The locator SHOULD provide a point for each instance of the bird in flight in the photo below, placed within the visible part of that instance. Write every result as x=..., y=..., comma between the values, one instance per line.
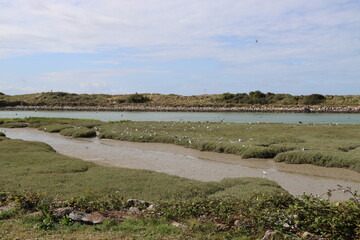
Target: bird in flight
x=257, y=41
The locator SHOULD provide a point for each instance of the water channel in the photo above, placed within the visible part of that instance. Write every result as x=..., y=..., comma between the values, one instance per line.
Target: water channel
x=320, y=118
x=194, y=164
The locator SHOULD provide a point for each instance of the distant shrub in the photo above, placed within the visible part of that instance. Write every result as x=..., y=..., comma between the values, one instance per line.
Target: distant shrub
x=314, y=99
x=137, y=98
x=227, y=96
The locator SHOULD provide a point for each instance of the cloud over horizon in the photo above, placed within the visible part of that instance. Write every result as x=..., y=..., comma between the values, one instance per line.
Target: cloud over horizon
x=303, y=46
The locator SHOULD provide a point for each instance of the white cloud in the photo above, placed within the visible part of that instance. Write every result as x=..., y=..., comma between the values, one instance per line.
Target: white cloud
x=321, y=35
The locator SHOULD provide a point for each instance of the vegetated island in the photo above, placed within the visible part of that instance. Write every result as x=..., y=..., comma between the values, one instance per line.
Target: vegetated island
x=255, y=101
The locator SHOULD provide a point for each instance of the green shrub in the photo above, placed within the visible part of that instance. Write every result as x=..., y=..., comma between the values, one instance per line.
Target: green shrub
x=137, y=98
x=314, y=99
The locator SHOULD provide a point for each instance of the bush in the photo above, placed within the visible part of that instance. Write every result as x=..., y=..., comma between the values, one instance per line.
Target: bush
x=314, y=99
x=137, y=98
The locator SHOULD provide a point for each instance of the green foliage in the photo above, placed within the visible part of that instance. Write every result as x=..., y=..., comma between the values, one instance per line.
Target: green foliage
x=54, y=127
x=314, y=99
x=78, y=132
x=15, y=125
x=137, y=98
x=214, y=218
x=217, y=100
x=8, y=214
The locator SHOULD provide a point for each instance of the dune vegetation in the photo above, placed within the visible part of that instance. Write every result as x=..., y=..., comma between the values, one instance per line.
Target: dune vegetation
x=148, y=99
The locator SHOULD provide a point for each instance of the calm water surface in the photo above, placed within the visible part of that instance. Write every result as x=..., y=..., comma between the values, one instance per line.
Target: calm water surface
x=320, y=118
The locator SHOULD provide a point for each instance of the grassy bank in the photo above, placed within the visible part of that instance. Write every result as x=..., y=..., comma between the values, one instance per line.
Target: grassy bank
x=214, y=100
x=35, y=167
x=232, y=209
x=327, y=145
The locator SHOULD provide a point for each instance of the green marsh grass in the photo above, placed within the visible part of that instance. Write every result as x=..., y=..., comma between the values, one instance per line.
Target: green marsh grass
x=36, y=167
x=327, y=145
x=319, y=144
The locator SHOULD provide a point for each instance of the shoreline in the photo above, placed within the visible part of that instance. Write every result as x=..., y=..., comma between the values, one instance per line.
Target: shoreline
x=140, y=108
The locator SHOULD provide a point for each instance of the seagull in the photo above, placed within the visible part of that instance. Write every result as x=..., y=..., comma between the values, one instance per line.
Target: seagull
x=257, y=41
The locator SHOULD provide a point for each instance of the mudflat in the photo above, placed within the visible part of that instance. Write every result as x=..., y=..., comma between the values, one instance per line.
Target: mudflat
x=195, y=164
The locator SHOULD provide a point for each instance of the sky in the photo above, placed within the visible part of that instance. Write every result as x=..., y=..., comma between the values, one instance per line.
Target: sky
x=186, y=47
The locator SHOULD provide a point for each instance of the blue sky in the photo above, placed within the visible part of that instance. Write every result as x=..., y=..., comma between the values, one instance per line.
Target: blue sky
x=182, y=46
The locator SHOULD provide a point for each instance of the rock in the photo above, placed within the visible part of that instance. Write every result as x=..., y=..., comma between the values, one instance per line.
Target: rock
x=134, y=210
x=178, y=225
x=269, y=235
x=60, y=212
x=77, y=216
x=151, y=208
x=89, y=218
x=94, y=218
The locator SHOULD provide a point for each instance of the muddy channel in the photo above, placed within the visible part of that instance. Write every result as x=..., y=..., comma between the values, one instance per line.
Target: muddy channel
x=194, y=164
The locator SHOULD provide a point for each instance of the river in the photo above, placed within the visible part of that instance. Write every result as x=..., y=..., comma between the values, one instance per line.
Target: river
x=194, y=164
x=320, y=118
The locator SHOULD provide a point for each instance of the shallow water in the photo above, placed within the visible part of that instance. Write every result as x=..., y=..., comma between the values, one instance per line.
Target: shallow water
x=194, y=164
x=321, y=118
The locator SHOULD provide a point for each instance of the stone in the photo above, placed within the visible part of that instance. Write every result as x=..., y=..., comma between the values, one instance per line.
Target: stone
x=94, y=218
x=89, y=218
x=60, y=212
x=77, y=216
x=134, y=210
x=151, y=208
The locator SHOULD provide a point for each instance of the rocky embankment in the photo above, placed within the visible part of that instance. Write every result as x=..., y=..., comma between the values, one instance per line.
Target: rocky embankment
x=142, y=108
